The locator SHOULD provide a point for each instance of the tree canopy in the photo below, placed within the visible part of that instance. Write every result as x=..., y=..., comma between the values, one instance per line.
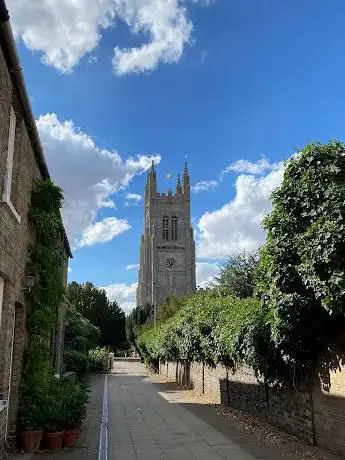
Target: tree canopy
x=93, y=304
x=237, y=275
x=302, y=266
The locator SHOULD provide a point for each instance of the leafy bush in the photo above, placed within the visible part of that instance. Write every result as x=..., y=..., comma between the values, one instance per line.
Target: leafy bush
x=76, y=361
x=53, y=404
x=302, y=266
x=75, y=398
x=207, y=329
x=98, y=359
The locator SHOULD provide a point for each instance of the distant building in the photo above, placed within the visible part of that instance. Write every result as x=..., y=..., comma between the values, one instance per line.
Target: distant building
x=22, y=165
x=167, y=252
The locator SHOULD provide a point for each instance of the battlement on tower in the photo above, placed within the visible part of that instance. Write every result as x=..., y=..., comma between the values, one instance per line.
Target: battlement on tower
x=169, y=196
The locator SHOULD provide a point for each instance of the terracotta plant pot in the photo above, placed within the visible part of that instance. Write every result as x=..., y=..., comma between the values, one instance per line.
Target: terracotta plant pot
x=31, y=440
x=53, y=439
x=70, y=437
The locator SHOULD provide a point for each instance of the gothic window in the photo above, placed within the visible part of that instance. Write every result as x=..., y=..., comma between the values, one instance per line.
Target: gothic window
x=174, y=228
x=165, y=228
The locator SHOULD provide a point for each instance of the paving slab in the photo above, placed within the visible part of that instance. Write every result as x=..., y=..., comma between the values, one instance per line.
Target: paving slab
x=149, y=419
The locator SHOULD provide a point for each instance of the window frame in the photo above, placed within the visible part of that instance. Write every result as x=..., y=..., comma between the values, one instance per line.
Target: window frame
x=6, y=195
x=165, y=228
x=174, y=234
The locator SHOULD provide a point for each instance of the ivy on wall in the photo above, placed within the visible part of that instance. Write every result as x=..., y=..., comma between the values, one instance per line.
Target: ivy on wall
x=45, y=264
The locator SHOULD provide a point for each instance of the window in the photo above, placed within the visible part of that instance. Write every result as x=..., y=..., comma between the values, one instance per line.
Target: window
x=174, y=228
x=6, y=197
x=2, y=282
x=165, y=228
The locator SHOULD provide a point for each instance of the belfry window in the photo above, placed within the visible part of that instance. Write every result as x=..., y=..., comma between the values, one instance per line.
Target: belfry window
x=174, y=228
x=165, y=228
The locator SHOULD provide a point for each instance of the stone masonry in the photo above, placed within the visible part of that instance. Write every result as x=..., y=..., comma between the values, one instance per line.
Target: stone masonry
x=21, y=167
x=312, y=413
x=167, y=252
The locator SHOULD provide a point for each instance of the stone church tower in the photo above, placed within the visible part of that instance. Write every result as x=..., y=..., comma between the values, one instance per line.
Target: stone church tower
x=167, y=251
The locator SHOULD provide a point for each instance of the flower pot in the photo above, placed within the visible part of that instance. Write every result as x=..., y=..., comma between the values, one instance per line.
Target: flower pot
x=53, y=439
x=70, y=438
x=31, y=440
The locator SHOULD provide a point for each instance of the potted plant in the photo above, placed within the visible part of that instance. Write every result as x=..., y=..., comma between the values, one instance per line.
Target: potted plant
x=75, y=400
x=32, y=428
x=54, y=420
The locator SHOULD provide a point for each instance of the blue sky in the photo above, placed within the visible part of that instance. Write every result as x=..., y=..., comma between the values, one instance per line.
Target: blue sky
x=237, y=86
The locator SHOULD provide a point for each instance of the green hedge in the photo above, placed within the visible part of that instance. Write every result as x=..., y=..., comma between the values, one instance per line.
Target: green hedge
x=208, y=328
x=76, y=361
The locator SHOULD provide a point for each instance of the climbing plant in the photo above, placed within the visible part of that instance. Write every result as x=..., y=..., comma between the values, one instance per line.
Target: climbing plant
x=45, y=264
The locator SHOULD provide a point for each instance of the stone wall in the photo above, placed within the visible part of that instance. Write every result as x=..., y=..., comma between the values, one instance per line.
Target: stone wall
x=15, y=237
x=313, y=414
x=329, y=413
x=2, y=430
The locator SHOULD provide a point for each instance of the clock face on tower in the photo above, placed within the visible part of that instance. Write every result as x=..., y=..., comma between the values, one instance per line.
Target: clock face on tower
x=170, y=263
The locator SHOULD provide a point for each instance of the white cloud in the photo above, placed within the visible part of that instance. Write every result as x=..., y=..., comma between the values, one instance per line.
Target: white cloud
x=248, y=167
x=167, y=25
x=92, y=59
x=132, y=199
x=132, y=267
x=204, y=185
x=64, y=30
x=103, y=231
x=124, y=294
x=237, y=225
x=88, y=174
x=205, y=272
x=203, y=56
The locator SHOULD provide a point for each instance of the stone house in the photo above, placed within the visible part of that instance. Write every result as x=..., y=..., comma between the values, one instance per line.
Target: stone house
x=22, y=165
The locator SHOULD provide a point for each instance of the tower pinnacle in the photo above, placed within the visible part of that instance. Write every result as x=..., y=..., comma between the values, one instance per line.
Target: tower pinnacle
x=186, y=183
x=178, y=185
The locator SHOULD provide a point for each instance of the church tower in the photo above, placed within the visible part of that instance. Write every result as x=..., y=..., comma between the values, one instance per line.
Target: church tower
x=167, y=250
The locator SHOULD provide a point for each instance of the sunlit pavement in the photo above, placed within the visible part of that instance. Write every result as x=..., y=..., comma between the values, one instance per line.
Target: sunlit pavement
x=149, y=420
x=142, y=417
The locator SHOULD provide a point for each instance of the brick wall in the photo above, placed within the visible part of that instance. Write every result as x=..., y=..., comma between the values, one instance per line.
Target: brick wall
x=329, y=413
x=313, y=414
x=215, y=383
x=14, y=240
x=197, y=377
x=292, y=411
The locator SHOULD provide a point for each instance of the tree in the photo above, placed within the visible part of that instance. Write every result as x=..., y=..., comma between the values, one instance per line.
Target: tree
x=168, y=308
x=80, y=333
x=139, y=316
x=93, y=304
x=237, y=276
x=302, y=266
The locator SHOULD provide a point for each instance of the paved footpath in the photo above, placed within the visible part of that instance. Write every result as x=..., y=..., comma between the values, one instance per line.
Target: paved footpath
x=149, y=419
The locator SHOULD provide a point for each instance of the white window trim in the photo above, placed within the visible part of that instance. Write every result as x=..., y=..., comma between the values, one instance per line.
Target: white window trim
x=6, y=196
